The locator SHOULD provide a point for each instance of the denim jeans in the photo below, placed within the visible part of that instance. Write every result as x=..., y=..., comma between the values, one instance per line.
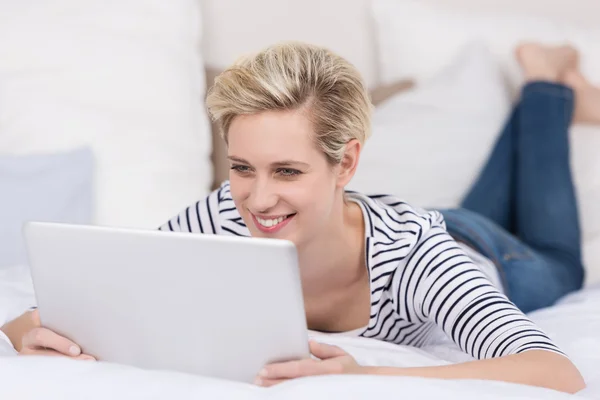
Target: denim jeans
x=522, y=210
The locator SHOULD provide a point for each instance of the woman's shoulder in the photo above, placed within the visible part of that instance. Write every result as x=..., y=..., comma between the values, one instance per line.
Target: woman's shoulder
x=220, y=203
x=393, y=218
x=219, y=200
x=223, y=193
x=215, y=213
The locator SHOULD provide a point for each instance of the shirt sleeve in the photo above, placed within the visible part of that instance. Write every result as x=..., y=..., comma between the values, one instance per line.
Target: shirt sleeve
x=453, y=293
x=201, y=217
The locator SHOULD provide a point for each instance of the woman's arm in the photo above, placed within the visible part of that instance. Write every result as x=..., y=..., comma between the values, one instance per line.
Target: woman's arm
x=535, y=368
x=18, y=327
x=456, y=296
x=445, y=288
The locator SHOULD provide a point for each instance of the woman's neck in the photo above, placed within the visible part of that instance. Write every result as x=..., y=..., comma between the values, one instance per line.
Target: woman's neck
x=334, y=259
x=335, y=280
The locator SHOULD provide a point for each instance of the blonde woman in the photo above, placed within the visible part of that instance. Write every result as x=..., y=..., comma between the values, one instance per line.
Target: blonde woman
x=295, y=118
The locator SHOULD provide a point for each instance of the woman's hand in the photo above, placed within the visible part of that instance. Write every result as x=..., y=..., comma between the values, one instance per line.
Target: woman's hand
x=332, y=360
x=30, y=338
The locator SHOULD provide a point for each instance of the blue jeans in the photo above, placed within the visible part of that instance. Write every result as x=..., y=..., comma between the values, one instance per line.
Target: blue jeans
x=522, y=211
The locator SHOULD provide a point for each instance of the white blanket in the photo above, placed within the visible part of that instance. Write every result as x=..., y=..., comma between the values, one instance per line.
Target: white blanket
x=574, y=324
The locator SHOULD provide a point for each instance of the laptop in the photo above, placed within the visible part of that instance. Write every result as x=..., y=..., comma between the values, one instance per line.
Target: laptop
x=217, y=306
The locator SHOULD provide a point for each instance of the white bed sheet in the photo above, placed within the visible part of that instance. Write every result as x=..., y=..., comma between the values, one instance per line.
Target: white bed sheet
x=574, y=324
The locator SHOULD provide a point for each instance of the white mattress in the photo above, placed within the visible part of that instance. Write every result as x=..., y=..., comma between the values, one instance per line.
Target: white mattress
x=574, y=324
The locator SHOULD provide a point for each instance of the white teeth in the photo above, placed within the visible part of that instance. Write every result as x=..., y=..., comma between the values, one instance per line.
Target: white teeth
x=270, y=222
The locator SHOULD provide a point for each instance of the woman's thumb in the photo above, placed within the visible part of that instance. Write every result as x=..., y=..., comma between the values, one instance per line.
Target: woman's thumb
x=325, y=351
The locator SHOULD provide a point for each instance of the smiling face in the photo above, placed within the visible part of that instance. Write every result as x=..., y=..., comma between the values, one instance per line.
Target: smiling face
x=294, y=117
x=283, y=185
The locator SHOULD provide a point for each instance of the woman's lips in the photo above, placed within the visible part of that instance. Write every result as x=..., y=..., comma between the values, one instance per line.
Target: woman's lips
x=272, y=225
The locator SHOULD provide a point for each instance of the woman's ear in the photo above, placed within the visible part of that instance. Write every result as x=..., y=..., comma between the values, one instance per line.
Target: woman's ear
x=349, y=163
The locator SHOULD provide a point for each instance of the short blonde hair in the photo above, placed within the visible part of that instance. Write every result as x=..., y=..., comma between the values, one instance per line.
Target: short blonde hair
x=293, y=75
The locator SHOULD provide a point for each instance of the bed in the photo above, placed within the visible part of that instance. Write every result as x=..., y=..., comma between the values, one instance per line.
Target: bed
x=574, y=323
x=102, y=121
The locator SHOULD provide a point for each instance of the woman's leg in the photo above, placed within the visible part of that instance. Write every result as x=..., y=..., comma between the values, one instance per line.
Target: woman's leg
x=546, y=211
x=587, y=108
x=546, y=206
x=492, y=194
x=541, y=262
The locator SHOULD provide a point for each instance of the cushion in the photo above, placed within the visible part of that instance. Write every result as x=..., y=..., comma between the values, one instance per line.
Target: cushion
x=42, y=187
x=585, y=164
x=124, y=78
x=381, y=93
x=428, y=144
x=416, y=39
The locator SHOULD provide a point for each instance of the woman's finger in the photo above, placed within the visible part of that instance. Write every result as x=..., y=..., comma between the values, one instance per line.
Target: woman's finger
x=45, y=338
x=85, y=357
x=290, y=369
x=32, y=351
x=269, y=382
x=325, y=351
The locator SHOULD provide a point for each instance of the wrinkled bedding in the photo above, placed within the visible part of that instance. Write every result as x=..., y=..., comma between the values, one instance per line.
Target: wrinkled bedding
x=574, y=324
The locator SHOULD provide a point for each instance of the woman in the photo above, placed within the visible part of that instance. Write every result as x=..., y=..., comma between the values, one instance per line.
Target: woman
x=295, y=118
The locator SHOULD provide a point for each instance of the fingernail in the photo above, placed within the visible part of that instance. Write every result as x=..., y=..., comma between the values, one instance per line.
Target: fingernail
x=263, y=372
x=74, y=350
x=258, y=382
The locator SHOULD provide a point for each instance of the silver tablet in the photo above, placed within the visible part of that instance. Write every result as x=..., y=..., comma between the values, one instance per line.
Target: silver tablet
x=212, y=305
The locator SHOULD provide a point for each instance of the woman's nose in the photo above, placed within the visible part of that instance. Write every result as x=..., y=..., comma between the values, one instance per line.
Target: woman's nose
x=263, y=196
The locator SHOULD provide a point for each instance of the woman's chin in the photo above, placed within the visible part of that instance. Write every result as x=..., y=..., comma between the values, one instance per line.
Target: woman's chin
x=285, y=234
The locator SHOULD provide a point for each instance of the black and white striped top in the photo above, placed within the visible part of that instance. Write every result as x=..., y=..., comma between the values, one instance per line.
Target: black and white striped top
x=421, y=279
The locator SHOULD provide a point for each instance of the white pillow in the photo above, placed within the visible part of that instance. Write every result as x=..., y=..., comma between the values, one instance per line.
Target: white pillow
x=585, y=164
x=428, y=145
x=416, y=40
x=125, y=78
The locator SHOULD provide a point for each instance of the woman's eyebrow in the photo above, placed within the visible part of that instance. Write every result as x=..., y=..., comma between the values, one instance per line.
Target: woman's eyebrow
x=287, y=163
x=281, y=163
x=238, y=159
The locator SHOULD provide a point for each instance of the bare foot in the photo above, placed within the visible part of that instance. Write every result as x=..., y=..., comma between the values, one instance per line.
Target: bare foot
x=546, y=63
x=574, y=78
x=587, y=97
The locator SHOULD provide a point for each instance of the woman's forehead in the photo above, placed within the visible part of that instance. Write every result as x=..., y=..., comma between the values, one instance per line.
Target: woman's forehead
x=284, y=134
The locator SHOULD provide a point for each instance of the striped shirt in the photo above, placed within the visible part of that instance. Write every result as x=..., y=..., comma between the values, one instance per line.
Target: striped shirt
x=422, y=281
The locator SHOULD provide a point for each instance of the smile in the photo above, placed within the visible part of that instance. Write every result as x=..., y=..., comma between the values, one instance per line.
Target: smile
x=272, y=225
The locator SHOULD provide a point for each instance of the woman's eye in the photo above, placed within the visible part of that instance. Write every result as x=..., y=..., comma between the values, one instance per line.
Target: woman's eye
x=288, y=172
x=243, y=169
